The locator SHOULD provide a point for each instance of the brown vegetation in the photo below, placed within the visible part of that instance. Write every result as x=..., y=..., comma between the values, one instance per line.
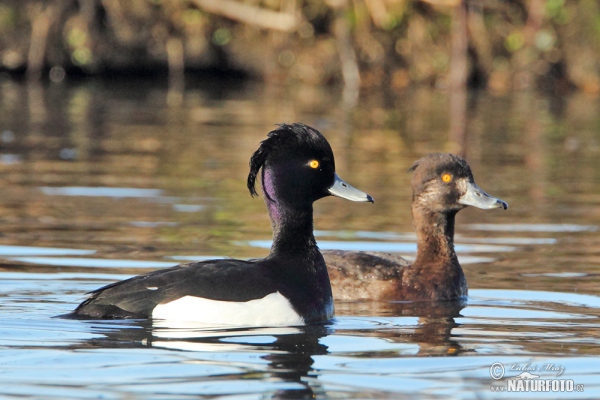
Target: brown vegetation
x=361, y=43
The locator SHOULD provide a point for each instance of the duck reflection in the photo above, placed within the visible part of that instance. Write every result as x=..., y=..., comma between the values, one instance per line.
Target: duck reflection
x=289, y=352
x=433, y=331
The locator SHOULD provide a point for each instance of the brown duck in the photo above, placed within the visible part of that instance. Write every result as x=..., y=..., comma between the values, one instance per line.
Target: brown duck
x=442, y=185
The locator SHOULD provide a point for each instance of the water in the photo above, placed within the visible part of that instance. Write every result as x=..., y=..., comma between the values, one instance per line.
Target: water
x=103, y=181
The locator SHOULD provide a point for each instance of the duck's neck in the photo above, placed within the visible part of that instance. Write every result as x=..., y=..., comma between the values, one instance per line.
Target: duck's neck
x=292, y=231
x=295, y=258
x=292, y=224
x=435, y=240
x=297, y=262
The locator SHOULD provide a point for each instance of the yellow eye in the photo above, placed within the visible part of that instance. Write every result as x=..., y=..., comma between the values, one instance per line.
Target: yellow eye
x=314, y=164
x=446, y=178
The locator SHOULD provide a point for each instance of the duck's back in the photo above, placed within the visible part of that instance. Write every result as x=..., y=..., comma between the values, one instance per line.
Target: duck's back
x=188, y=288
x=358, y=275
x=383, y=276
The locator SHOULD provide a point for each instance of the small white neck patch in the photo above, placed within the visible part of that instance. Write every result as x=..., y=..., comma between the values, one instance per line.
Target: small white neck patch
x=272, y=310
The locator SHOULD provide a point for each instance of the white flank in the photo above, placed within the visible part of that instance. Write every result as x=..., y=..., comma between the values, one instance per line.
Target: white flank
x=271, y=310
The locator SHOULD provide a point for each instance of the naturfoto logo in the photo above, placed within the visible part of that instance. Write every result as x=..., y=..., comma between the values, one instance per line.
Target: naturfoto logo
x=528, y=377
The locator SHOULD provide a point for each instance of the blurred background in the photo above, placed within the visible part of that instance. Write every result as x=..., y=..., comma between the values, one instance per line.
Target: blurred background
x=372, y=44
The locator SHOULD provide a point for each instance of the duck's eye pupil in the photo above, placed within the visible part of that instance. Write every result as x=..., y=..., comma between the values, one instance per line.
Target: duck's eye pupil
x=446, y=178
x=313, y=164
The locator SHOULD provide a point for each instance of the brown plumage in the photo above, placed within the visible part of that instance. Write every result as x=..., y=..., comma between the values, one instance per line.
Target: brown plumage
x=442, y=185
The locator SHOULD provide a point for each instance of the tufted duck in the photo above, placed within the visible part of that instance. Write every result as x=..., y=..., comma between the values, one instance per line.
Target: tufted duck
x=288, y=287
x=442, y=186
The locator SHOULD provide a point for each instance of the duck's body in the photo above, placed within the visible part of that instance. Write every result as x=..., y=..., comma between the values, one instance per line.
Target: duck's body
x=364, y=275
x=232, y=292
x=288, y=287
x=442, y=185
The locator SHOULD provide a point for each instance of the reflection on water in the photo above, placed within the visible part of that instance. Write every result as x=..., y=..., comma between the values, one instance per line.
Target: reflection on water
x=100, y=191
x=91, y=262
x=102, y=181
x=191, y=208
x=532, y=227
x=39, y=251
x=560, y=274
x=378, y=349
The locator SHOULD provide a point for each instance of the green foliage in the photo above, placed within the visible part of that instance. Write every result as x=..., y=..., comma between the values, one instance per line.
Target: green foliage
x=8, y=18
x=556, y=10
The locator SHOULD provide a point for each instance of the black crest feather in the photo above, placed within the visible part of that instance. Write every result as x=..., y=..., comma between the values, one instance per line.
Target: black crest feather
x=257, y=161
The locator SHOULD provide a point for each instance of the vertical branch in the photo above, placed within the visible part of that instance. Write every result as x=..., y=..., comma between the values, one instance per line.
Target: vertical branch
x=458, y=79
x=39, y=37
x=350, y=70
x=176, y=62
x=479, y=38
x=459, y=59
x=175, y=57
x=348, y=61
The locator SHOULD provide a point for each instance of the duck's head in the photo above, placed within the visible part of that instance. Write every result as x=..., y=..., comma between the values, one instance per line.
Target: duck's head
x=298, y=168
x=444, y=183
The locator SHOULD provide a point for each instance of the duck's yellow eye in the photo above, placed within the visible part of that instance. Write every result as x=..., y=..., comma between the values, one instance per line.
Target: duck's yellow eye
x=314, y=164
x=446, y=178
